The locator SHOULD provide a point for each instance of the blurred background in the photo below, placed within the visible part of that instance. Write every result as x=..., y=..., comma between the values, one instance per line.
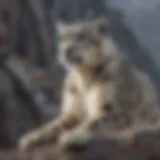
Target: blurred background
x=30, y=77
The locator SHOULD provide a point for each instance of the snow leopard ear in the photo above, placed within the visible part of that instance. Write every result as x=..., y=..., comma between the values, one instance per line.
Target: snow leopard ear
x=72, y=28
x=103, y=26
x=68, y=29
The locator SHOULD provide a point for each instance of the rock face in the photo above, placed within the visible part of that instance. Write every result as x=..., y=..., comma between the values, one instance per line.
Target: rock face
x=141, y=145
x=136, y=28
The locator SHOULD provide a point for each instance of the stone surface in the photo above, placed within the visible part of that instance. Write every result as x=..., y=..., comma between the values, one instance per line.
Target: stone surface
x=140, y=145
x=136, y=28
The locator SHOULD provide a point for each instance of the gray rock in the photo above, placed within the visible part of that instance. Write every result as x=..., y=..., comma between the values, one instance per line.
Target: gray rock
x=136, y=28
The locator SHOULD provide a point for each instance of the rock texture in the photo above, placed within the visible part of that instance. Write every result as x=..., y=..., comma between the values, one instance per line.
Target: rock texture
x=129, y=145
x=136, y=29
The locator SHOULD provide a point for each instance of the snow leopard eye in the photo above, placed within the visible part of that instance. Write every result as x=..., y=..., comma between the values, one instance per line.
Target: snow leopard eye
x=108, y=107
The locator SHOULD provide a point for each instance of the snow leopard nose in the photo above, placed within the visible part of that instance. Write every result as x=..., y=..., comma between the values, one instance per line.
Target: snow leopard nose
x=70, y=52
x=72, y=56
